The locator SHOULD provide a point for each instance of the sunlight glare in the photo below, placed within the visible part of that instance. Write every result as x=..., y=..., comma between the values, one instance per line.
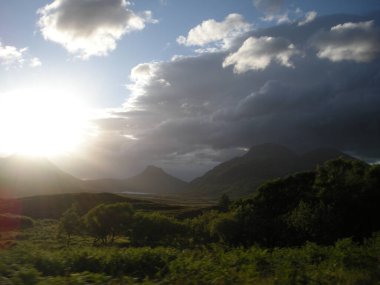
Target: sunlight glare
x=41, y=122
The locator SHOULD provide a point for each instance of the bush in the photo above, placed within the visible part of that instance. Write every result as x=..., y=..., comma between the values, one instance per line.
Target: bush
x=106, y=221
x=156, y=229
x=14, y=222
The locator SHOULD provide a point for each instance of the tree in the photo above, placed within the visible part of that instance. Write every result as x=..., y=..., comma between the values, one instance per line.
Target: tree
x=105, y=221
x=70, y=222
x=155, y=228
x=226, y=229
x=200, y=227
x=224, y=203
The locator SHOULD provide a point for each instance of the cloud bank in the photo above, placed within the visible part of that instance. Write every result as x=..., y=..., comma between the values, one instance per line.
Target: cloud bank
x=89, y=28
x=193, y=112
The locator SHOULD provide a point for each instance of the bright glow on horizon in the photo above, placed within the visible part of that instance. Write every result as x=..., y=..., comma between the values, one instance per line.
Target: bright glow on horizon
x=41, y=122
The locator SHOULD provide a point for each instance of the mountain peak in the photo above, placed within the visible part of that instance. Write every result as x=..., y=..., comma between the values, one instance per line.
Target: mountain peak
x=151, y=169
x=155, y=180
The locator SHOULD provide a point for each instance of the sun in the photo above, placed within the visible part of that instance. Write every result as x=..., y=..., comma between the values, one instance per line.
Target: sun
x=41, y=122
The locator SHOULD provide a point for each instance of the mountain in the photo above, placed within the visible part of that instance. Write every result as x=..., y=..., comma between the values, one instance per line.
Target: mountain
x=22, y=176
x=155, y=180
x=240, y=176
x=28, y=176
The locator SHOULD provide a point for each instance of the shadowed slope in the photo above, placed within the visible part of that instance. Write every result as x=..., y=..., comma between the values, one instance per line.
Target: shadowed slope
x=155, y=180
x=240, y=176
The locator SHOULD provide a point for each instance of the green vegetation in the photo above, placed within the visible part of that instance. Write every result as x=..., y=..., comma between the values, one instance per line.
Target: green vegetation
x=70, y=223
x=318, y=227
x=345, y=262
x=11, y=222
x=104, y=222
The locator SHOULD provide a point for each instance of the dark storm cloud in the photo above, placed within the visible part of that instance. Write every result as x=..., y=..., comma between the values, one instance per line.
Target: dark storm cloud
x=191, y=113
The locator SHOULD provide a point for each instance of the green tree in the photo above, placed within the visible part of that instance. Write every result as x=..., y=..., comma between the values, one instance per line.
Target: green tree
x=200, y=227
x=156, y=229
x=225, y=228
x=105, y=221
x=70, y=222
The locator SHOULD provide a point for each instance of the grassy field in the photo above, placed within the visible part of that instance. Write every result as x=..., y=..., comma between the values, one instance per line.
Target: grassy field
x=37, y=255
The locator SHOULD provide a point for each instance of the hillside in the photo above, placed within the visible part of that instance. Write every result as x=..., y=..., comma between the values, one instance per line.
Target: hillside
x=52, y=206
x=155, y=180
x=240, y=176
x=28, y=176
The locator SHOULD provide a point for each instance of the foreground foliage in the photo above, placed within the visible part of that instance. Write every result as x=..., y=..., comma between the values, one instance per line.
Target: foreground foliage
x=345, y=262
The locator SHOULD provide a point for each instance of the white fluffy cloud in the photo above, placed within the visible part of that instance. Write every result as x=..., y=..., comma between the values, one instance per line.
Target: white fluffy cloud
x=89, y=28
x=258, y=53
x=12, y=56
x=211, y=31
x=358, y=42
x=309, y=17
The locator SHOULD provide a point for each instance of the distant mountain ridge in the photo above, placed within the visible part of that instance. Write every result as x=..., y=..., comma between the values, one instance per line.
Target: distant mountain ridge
x=23, y=176
x=30, y=176
x=241, y=175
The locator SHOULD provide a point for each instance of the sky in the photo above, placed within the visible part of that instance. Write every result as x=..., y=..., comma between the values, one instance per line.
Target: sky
x=186, y=85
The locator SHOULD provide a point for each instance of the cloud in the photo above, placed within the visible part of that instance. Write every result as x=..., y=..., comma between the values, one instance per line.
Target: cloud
x=258, y=53
x=269, y=7
x=89, y=28
x=211, y=32
x=278, y=18
x=35, y=62
x=309, y=17
x=189, y=113
x=273, y=11
x=286, y=16
x=11, y=56
x=359, y=42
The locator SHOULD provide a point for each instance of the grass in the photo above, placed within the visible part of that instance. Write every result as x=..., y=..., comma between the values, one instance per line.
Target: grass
x=37, y=256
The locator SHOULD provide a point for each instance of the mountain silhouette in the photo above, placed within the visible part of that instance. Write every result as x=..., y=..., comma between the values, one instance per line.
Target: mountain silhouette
x=155, y=180
x=240, y=176
x=22, y=176
x=29, y=176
